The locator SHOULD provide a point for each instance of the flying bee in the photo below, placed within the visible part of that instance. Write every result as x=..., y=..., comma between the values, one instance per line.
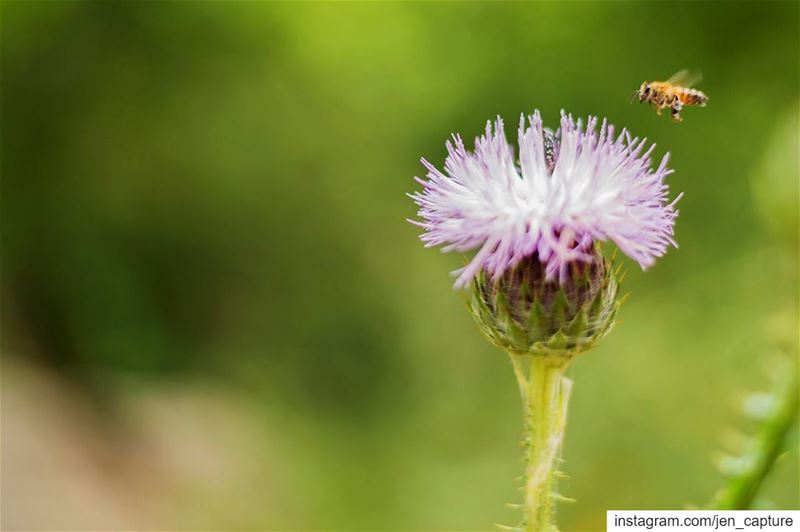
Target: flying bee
x=675, y=93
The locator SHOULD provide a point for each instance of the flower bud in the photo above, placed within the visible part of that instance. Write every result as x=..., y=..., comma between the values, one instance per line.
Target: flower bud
x=524, y=312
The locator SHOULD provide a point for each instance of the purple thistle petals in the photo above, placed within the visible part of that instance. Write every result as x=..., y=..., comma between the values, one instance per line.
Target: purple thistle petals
x=600, y=188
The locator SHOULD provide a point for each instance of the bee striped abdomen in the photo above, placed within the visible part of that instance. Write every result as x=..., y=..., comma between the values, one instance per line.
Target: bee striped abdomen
x=692, y=97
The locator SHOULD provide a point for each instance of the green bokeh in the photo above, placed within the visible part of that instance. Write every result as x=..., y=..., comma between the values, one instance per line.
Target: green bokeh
x=215, y=193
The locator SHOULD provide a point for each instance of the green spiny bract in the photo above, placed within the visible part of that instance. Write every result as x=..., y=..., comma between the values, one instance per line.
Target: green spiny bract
x=524, y=313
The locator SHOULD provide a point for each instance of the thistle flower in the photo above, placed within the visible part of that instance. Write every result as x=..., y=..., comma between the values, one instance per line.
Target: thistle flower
x=541, y=286
x=568, y=191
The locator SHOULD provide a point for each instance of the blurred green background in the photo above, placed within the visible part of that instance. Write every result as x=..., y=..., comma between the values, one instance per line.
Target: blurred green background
x=215, y=315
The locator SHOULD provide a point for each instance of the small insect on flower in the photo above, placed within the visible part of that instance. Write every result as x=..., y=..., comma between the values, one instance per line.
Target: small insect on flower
x=675, y=93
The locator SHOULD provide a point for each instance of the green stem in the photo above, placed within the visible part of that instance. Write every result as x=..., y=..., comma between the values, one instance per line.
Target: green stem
x=767, y=446
x=545, y=394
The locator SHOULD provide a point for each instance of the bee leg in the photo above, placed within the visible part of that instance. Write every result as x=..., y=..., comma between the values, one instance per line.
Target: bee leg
x=658, y=111
x=675, y=110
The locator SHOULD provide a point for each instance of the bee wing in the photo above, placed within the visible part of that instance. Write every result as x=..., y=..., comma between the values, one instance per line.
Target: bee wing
x=686, y=77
